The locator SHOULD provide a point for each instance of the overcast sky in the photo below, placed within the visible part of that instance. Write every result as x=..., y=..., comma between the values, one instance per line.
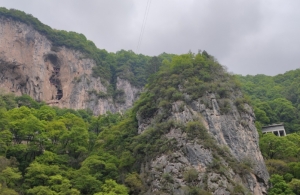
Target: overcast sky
x=247, y=36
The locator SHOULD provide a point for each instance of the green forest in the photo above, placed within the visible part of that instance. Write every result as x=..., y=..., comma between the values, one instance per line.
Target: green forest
x=47, y=150
x=275, y=99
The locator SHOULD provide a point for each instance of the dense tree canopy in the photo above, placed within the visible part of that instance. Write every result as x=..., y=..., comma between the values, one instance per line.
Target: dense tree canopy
x=46, y=150
x=276, y=100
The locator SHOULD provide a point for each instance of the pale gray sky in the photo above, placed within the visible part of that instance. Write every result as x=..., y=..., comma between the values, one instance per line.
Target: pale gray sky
x=247, y=36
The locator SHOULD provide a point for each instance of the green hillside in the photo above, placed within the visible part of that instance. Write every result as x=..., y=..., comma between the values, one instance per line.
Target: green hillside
x=276, y=100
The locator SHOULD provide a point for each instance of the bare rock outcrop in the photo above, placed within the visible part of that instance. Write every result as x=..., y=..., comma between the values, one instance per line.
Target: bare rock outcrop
x=229, y=162
x=59, y=76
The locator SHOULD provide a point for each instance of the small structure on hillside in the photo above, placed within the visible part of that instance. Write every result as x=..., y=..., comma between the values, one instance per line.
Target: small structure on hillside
x=276, y=129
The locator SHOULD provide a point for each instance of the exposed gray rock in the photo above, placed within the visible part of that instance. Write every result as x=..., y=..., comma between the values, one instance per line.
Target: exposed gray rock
x=234, y=132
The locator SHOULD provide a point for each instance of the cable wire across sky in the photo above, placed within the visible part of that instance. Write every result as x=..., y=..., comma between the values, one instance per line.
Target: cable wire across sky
x=143, y=25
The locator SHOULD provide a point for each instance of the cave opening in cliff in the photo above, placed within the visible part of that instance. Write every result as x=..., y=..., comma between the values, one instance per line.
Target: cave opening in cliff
x=59, y=94
x=54, y=79
x=53, y=59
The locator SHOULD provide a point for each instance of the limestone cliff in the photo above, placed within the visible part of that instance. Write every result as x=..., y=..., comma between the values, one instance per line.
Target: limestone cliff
x=237, y=166
x=199, y=132
x=59, y=76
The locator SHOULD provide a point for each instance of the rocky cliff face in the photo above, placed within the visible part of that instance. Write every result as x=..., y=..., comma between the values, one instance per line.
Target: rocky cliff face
x=229, y=162
x=59, y=76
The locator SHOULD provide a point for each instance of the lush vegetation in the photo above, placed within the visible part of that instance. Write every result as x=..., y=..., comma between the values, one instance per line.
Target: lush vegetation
x=283, y=162
x=276, y=100
x=46, y=150
x=185, y=78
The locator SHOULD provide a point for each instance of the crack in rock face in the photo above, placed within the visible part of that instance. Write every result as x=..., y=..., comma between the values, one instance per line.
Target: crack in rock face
x=55, y=77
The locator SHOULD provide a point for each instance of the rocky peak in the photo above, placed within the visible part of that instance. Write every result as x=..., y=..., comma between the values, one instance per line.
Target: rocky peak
x=208, y=127
x=224, y=157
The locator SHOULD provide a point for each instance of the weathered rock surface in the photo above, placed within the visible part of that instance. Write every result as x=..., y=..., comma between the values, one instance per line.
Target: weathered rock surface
x=234, y=132
x=60, y=77
x=130, y=93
